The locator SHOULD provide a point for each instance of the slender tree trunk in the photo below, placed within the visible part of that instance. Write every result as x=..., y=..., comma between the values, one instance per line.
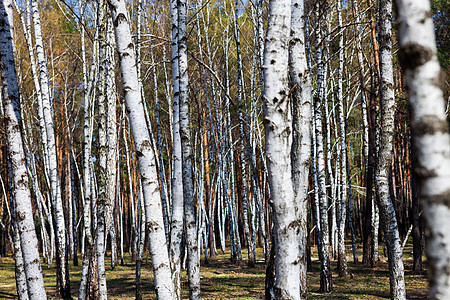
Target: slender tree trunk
x=101, y=230
x=385, y=202
x=301, y=127
x=144, y=151
x=325, y=272
x=416, y=230
x=87, y=239
x=176, y=230
x=193, y=258
x=141, y=241
x=245, y=202
x=112, y=144
x=342, y=260
x=63, y=282
x=21, y=195
x=431, y=139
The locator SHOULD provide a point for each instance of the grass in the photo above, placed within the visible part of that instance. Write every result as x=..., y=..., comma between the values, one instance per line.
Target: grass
x=221, y=279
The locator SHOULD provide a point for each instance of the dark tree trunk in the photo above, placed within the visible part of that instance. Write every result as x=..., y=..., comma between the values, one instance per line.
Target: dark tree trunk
x=416, y=232
x=367, y=236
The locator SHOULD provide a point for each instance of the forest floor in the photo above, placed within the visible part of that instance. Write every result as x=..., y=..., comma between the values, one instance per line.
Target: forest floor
x=221, y=279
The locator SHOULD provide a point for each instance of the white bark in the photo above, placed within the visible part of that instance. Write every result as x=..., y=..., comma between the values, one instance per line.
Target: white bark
x=144, y=151
x=301, y=126
x=385, y=203
x=245, y=202
x=342, y=211
x=21, y=279
x=176, y=229
x=20, y=193
x=193, y=258
x=87, y=157
x=111, y=121
x=102, y=151
x=325, y=273
x=431, y=138
x=278, y=127
x=64, y=283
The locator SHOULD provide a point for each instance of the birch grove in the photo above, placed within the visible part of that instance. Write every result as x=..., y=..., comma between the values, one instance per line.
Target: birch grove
x=224, y=149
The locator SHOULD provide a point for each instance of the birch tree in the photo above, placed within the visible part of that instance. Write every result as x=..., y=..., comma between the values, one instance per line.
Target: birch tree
x=385, y=203
x=144, y=151
x=301, y=128
x=24, y=223
x=63, y=276
x=342, y=260
x=102, y=134
x=278, y=128
x=430, y=135
x=193, y=257
x=319, y=101
x=176, y=226
x=88, y=83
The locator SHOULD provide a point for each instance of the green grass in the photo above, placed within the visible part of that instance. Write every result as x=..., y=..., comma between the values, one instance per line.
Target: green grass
x=221, y=279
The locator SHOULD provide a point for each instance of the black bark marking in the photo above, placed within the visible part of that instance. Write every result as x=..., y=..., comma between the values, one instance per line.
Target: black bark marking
x=153, y=226
x=430, y=125
x=442, y=198
x=145, y=145
x=119, y=19
x=412, y=55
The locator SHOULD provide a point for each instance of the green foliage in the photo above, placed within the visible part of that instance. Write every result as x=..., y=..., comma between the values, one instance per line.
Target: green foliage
x=441, y=15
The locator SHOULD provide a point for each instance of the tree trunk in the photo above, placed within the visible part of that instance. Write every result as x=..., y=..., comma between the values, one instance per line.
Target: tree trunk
x=193, y=258
x=385, y=203
x=325, y=272
x=20, y=193
x=176, y=229
x=144, y=151
x=62, y=278
x=278, y=126
x=431, y=139
x=416, y=230
x=301, y=127
x=342, y=260
x=102, y=199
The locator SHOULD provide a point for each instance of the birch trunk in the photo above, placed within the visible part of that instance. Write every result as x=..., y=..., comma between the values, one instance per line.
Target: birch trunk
x=301, y=127
x=431, y=139
x=62, y=278
x=342, y=260
x=325, y=272
x=20, y=193
x=21, y=279
x=385, y=203
x=88, y=255
x=176, y=226
x=111, y=123
x=278, y=126
x=112, y=144
x=251, y=256
x=144, y=151
x=102, y=170
x=193, y=258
